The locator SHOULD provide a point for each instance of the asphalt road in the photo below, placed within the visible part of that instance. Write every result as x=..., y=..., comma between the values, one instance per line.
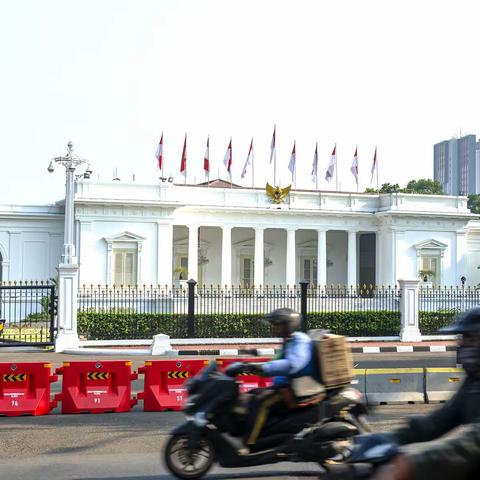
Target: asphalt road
x=126, y=446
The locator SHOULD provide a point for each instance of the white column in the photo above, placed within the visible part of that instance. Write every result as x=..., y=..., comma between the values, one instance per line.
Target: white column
x=259, y=260
x=290, y=273
x=409, y=311
x=226, y=256
x=193, y=252
x=68, y=255
x=67, y=336
x=352, y=258
x=322, y=258
x=164, y=254
x=461, y=258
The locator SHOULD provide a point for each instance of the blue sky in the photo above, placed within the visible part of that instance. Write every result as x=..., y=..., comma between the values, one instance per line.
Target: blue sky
x=112, y=75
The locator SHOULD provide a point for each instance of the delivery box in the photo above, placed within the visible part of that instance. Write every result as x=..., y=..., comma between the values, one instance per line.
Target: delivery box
x=334, y=357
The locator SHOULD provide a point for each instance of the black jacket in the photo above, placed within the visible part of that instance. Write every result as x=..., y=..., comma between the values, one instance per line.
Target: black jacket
x=457, y=456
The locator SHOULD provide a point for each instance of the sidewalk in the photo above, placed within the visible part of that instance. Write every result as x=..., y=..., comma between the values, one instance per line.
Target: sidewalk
x=205, y=350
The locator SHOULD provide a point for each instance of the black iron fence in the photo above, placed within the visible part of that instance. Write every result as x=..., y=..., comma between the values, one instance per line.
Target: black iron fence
x=439, y=305
x=27, y=313
x=213, y=311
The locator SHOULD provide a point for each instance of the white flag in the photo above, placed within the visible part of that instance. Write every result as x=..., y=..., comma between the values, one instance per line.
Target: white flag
x=272, y=146
x=331, y=165
x=293, y=160
x=227, y=161
x=374, y=164
x=248, y=161
x=354, y=167
x=315, y=164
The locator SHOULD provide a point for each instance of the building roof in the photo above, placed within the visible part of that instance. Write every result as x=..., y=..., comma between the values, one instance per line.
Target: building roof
x=219, y=183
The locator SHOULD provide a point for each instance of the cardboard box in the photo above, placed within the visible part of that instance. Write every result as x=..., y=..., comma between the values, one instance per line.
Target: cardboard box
x=335, y=358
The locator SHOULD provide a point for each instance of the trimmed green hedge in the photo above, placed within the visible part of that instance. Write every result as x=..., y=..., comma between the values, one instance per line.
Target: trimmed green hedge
x=126, y=325
x=431, y=322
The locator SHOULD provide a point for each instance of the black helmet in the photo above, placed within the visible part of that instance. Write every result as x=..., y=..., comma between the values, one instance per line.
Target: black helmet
x=468, y=322
x=285, y=316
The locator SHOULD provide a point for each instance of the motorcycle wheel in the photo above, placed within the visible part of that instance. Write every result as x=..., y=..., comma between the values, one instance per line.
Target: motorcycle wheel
x=185, y=463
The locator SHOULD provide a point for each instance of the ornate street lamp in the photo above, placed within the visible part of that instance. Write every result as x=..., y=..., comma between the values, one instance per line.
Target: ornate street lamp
x=70, y=161
x=67, y=335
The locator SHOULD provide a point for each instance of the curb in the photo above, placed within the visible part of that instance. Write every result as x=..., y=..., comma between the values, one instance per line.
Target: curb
x=233, y=352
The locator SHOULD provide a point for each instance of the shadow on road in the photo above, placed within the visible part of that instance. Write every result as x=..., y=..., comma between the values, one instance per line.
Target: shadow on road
x=223, y=476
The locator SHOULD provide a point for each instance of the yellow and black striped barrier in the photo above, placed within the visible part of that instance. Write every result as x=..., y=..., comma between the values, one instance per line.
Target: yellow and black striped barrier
x=98, y=375
x=19, y=377
x=177, y=374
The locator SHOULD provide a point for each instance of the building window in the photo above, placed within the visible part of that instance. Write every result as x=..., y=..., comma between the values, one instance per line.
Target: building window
x=430, y=269
x=124, y=259
x=309, y=270
x=246, y=271
x=124, y=267
x=429, y=260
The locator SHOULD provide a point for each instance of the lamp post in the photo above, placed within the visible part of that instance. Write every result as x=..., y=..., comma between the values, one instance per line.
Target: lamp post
x=67, y=335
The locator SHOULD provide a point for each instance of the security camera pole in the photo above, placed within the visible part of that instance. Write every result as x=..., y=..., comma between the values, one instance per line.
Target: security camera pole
x=67, y=335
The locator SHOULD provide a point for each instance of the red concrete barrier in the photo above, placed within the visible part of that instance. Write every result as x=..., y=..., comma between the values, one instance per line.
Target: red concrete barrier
x=164, y=383
x=247, y=382
x=25, y=389
x=96, y=387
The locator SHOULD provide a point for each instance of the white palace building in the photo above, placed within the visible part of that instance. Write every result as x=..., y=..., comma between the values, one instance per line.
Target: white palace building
x=130, y=233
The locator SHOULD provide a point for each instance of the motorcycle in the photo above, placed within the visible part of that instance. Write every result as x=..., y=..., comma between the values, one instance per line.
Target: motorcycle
x=215, y=423
x=367, y=454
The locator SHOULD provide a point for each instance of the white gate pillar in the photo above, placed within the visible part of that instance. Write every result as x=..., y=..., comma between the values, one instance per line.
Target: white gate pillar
x=409, y=306
x=67, y=336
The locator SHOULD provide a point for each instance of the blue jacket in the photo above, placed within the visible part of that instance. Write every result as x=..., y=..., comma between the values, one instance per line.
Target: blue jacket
x=298, y=360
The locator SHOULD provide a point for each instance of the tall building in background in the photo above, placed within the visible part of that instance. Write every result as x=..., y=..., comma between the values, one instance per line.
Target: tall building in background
x=456, y=165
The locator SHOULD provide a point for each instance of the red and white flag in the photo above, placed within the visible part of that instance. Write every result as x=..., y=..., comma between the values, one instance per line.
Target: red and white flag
x=159, y=153
x=248, y=161
x=354, y=167
x=293, y=160
x=272, y=145
x=206, y=161
x=227, y=161
x=315, y=164
x=183, y=163
x=374, y=164
x=331, y=165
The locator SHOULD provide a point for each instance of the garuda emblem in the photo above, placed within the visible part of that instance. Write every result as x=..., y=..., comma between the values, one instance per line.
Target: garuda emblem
x=277, y=194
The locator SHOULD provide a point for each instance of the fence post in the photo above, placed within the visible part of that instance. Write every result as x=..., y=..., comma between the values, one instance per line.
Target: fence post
x=409, y=331
x=191, y=308
x=67, y=335
x=303, y=304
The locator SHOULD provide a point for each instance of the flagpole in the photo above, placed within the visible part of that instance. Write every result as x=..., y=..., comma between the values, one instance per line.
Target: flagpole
x=275, y=157
x=356, y=147
x=253, y=166
x=316, y=166
x=295, y=168
x=231, y=161
x=378, y=190
x=336, y=169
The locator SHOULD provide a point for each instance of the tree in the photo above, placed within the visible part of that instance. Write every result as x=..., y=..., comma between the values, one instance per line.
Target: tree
x=385, y=188
x=474, y=203
x=424, y=186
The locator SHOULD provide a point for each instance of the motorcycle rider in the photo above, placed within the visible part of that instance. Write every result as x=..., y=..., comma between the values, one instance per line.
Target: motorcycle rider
x=457, y=456
x=298, y=359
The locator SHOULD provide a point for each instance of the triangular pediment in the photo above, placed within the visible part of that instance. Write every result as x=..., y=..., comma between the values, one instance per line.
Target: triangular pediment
x=124, y=237
x=430, y=244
